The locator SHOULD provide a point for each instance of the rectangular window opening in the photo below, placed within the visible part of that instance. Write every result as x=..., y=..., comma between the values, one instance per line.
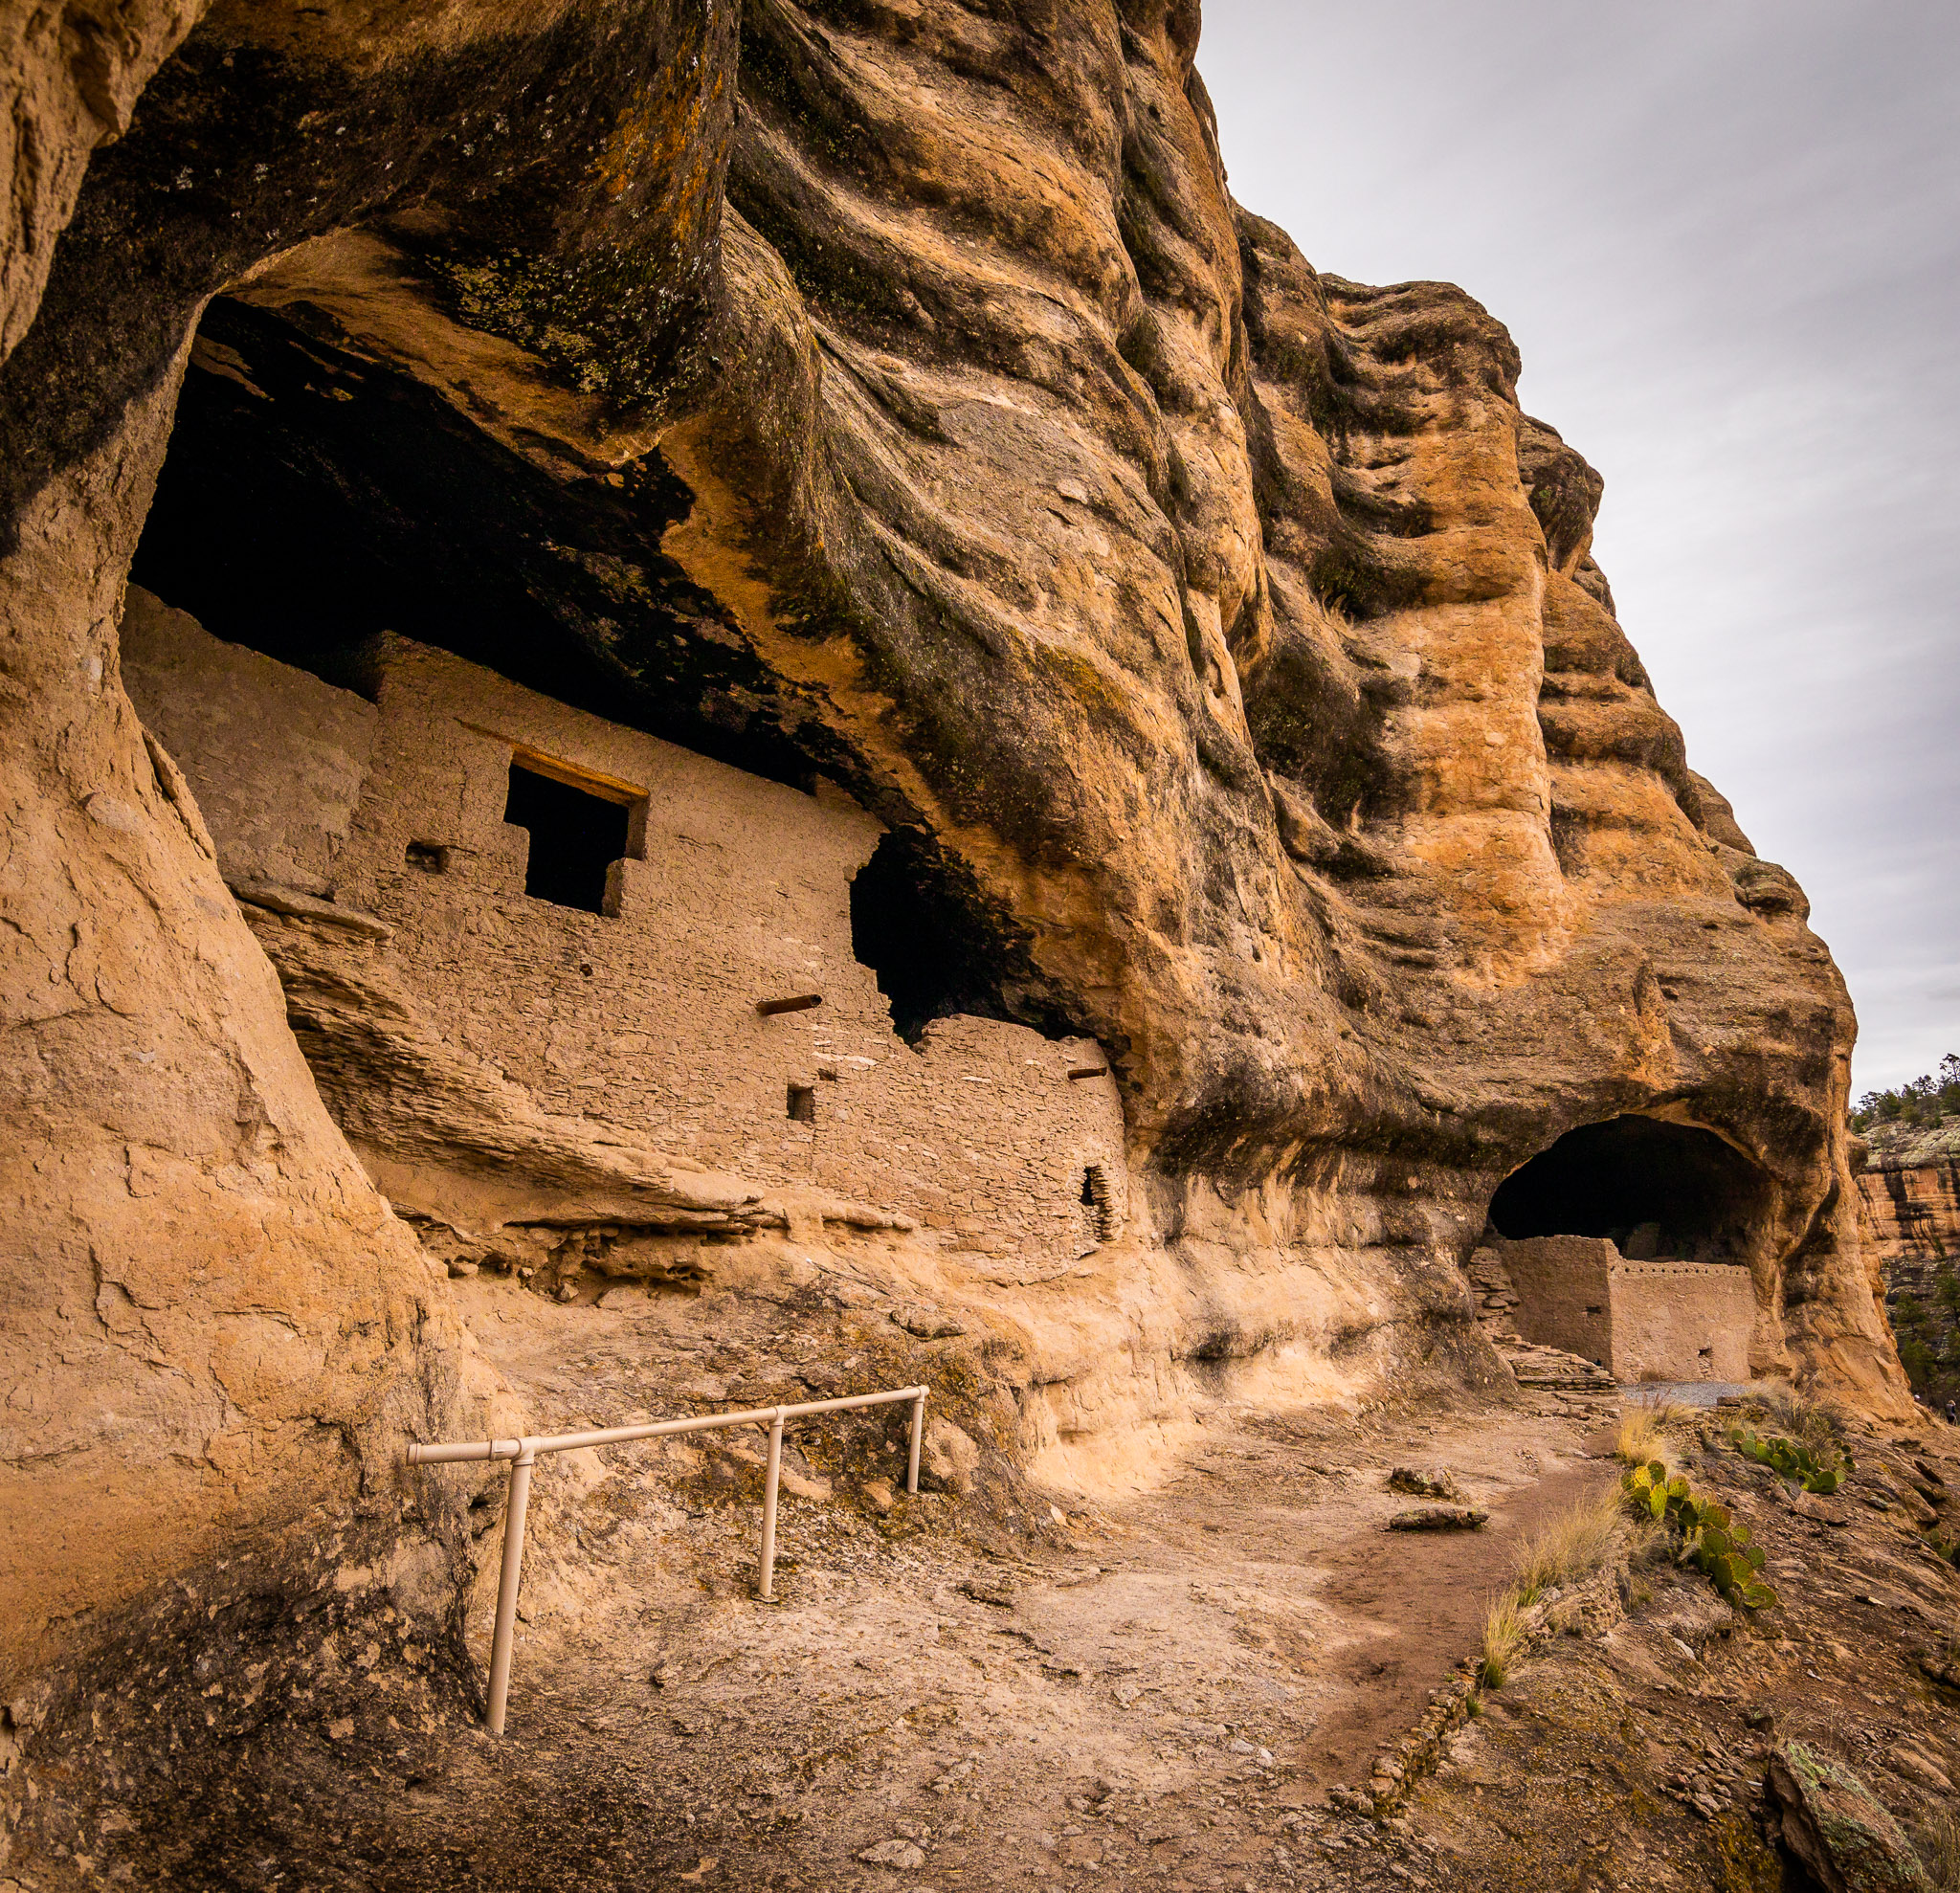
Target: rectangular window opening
x=803, y=1103
x=575, y=838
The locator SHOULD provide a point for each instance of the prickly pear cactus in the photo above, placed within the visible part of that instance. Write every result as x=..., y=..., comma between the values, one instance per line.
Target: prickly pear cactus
x=1801, y=1464
x=1709, y=1537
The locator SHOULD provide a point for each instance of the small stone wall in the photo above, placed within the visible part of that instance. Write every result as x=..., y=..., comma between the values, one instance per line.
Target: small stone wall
x=275, y=757
x=1561, y=1285
x=1661, y=1320
x=1681, y=1320
x=642, y=1018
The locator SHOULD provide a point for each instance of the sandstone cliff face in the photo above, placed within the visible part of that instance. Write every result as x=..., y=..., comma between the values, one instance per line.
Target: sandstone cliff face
x=886, y=392
x=1909, y=1202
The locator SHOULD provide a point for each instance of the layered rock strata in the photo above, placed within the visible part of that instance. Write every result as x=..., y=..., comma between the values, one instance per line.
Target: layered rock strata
x=888, y=394
x=1908, y=1204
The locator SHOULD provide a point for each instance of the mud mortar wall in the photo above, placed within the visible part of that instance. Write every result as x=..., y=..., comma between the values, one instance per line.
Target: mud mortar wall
x=643, y=1020
x=1640, y=1319
x=275, y=757
x=1564, y=1299
x=1681, y=1320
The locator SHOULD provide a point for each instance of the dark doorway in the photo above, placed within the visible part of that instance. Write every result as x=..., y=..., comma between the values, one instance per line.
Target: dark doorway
x=1667, y=1190
x=926, y=945
x=575, y=838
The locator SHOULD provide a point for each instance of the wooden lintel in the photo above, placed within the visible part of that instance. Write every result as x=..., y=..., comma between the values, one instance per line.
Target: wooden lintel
x=800, y=1002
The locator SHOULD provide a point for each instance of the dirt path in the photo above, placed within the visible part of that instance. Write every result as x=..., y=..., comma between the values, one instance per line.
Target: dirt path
x=1413, y=1612
x=1394, y=1612
x=1158, y=1700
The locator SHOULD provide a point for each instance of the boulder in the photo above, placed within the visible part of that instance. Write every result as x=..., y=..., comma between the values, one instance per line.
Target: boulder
x=1424, y=1482
x=1841, y=1832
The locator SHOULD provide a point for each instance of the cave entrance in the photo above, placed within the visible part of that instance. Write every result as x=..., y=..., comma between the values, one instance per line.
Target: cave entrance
x=923, y=935
x=1655, y=1190
x=1624, y=1243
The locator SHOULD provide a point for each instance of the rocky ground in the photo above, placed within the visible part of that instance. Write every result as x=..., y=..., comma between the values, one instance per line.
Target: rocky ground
x=1209, y=1683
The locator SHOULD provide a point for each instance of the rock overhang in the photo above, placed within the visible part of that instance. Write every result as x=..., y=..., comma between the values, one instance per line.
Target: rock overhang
x=1170, y=591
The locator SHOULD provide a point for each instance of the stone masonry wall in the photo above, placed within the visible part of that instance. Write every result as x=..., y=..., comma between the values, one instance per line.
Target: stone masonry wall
x=1681, y=1320
x=277, y=756
x=643, y=1019
x=1561, y=1285
x=1661, y=1320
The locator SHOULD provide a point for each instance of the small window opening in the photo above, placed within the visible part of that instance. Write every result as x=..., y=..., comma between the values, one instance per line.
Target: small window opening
x=1099, y=1198
x=575, y=838
x=426, y=856
x=803, y=1103
x=1594, y=1311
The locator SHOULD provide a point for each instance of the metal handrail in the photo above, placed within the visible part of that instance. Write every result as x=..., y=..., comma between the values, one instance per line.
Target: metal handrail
x=523, y=1455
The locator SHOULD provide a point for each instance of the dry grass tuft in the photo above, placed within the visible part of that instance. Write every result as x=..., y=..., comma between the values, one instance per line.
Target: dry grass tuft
x=1572, y=1546
x=1648, y=1539
x=1504, y=1640
x=1808, y=1422
x=1643, y=1432
x=1939, y=1849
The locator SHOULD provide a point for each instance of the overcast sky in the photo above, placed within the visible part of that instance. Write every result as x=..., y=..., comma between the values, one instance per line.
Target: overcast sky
x=1726, y=237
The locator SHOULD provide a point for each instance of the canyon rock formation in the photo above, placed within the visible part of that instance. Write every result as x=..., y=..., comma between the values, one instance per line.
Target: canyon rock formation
x=887, y=400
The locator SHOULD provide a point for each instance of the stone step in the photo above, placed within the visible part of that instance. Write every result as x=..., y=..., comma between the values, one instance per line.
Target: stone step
x=1535, y=1366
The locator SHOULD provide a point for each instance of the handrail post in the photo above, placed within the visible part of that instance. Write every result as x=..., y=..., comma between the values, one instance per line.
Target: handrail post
x=918, y=1435
x=517, y=1502
x=767, y=1589
x=523, y=1455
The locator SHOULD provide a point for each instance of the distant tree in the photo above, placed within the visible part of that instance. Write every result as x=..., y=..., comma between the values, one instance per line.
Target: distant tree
x=1923, y=1099
x=1917, y=1359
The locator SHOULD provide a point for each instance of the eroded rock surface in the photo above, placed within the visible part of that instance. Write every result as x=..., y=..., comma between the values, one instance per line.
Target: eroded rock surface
x=888, y=395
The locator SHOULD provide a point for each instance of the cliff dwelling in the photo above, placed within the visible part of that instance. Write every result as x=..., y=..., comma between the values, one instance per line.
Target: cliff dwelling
x=715, y=713
x=1627, y=1243
x=652, y=944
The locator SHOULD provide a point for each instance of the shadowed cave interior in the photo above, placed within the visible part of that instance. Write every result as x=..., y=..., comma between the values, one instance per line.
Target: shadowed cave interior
x=1655, y=1190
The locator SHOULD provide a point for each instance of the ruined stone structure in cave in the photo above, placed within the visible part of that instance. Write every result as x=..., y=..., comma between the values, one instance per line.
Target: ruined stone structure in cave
x=601, y=917
x=534, y=544
x=1629, y=1243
